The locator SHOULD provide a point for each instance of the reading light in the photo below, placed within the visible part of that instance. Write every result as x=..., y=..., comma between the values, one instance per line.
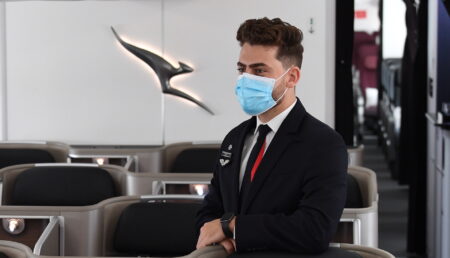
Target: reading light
x=13, y=226
x=198, y=189
x=100, y=161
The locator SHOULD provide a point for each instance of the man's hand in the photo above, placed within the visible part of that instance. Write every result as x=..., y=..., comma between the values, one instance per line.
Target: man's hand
x=229, y=245
x=210, y=233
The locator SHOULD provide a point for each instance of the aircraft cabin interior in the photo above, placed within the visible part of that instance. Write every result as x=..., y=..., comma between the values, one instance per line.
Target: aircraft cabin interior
x=239, y=128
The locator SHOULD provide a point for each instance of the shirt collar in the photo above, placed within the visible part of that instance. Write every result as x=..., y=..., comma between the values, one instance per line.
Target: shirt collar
x=276, y=122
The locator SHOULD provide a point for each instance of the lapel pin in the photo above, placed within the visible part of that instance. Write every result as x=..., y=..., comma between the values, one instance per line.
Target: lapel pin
x=230, y=147
x=223, y=162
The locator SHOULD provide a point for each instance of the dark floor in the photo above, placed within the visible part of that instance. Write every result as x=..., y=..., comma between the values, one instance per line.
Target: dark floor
x=393, y=201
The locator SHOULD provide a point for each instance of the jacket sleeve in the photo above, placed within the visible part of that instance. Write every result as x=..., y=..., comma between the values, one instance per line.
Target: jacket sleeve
x=212, y=207
x=310, y=228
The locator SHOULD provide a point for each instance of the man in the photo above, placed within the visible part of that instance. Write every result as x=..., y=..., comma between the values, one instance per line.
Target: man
x=280, y=181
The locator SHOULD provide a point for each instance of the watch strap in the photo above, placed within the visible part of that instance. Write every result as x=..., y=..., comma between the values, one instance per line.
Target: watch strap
x=225, y=223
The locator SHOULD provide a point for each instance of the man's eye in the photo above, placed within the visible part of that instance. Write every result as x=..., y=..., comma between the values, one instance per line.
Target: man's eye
x=259, y=70
x=240, y=69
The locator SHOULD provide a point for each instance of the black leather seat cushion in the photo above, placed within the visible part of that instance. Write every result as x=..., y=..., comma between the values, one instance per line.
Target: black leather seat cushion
x=332, y=252
x=195, y=160
x=9, y=157
x=354, y=196
x=157, y=229
x=63, y=186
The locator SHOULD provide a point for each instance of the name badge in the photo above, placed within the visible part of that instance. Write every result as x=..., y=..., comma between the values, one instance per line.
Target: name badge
x=225, y=156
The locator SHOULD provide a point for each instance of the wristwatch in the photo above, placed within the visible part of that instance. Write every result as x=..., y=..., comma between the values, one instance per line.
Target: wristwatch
x=225, y=222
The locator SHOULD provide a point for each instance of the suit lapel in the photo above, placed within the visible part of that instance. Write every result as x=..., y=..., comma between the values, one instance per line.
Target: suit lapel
x=236, y=164
x=286, y=135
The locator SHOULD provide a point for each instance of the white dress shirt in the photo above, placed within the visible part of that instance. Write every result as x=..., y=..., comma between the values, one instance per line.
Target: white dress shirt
x=251, y=138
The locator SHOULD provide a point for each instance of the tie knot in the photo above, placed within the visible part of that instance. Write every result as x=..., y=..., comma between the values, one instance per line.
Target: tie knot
x=263, y=130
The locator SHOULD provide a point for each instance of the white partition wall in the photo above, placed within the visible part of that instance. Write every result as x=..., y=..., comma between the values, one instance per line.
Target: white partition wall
x=68, y=79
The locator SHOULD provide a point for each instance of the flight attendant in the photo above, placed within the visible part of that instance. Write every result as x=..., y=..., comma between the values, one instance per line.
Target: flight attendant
x=280, y=180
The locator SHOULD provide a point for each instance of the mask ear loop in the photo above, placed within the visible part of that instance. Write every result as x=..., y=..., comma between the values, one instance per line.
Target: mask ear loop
x=285, y=90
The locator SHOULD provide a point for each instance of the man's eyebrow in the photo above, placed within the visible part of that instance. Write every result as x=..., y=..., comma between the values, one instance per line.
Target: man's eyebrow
x=252, y=65
x=257, y=65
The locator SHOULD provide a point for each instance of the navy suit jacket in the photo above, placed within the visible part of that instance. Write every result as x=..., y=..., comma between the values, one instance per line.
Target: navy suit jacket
x=297, y=195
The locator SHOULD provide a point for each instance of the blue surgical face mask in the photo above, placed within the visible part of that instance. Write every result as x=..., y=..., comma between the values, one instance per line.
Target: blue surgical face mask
x=255, y=93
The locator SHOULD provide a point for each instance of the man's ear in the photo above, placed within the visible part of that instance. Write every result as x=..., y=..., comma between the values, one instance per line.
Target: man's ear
x=293, y=77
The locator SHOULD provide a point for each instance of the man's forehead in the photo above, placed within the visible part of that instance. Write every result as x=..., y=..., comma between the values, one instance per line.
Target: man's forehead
x=257, y=54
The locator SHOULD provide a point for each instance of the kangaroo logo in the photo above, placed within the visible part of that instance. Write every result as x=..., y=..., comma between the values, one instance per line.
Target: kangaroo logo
x=163, y=69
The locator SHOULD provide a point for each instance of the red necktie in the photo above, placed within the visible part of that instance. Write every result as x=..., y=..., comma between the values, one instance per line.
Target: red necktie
x=258, y=160
x=257, y=152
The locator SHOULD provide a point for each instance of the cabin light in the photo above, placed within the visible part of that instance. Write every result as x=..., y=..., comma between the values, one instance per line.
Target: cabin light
x=13, y=226
x=100, y=161
x=198, y=189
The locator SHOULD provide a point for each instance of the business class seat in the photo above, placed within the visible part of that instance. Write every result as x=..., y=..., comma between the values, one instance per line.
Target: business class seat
x=147, y=227
x=359, y=220
x=70, y=192
x=14, y=153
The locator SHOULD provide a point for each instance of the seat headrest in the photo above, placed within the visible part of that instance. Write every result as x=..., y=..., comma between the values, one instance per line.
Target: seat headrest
x=10, y=157
x=157, y=229
x=354, y=198
x=62, y=186
x=197, y=160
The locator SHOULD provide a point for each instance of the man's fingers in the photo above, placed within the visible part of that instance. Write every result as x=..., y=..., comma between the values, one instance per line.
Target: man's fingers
x=200, y=241
x=228, y=246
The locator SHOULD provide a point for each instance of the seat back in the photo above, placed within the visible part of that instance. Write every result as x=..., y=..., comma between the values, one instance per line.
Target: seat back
x=61, y=184
x=14, y=153
x=201, y=160
x=367, y=182
x=157, y=229
x=190, y=157
x=354, y=194
x=148, y=227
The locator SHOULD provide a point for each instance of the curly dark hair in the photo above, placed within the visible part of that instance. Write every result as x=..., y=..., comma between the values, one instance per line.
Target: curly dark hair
x=274, y=32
